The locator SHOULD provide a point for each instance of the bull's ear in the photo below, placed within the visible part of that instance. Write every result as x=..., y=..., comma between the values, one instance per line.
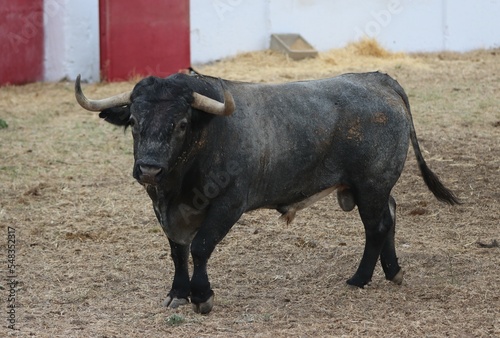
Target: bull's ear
x=119, y=116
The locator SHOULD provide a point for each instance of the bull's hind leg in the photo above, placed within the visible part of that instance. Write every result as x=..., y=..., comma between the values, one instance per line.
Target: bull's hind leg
x=376, y=216
x=388, y=257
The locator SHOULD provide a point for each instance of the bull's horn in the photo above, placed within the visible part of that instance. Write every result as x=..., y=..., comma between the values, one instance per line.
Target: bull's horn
x=212, y=106
x=99, y=105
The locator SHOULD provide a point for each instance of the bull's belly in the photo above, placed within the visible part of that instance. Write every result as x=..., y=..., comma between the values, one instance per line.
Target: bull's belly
x=293, y=191
x=288, y=210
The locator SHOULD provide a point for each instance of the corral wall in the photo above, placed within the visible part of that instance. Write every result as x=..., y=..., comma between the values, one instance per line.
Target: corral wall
x=21, y=40
x=223, y=28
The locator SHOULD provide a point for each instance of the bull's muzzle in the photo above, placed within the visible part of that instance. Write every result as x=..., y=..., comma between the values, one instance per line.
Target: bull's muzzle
x=147, y=174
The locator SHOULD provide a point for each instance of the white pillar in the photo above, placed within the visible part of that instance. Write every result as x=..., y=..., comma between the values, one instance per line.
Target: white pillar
x=71, y=39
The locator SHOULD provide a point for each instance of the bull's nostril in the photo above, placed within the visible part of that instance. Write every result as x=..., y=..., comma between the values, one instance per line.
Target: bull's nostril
x=149, y=170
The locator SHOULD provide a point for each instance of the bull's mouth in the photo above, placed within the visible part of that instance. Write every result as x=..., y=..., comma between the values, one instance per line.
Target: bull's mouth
x=148, y=180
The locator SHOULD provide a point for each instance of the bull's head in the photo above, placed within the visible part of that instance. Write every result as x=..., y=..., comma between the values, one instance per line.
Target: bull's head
x=160, y=114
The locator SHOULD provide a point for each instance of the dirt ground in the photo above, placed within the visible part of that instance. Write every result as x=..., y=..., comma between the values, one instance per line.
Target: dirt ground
x=91, y=260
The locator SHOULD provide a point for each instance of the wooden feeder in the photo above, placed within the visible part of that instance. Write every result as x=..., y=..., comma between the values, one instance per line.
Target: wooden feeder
x=293, y=45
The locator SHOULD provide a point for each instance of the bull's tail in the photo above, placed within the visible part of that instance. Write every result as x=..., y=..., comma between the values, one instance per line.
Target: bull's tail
x=442, y=193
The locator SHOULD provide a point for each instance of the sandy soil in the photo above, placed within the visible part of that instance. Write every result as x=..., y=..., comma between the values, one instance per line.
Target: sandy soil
x=91, y=260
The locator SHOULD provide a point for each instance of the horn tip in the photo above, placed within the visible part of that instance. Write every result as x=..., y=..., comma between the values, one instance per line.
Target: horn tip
x=78, y=87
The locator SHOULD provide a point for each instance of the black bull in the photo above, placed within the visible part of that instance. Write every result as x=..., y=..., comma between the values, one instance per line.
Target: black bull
x=281, y=146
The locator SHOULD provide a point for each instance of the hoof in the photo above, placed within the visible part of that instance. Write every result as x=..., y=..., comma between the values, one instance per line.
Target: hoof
x=398, y=279
x=174, y=303
x=204, y=308
x=356, y=283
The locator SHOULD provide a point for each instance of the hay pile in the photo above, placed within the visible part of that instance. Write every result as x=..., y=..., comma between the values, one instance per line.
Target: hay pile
x=272, y=66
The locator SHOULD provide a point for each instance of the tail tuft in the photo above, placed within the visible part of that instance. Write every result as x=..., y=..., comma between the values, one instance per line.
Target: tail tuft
x=442, y=193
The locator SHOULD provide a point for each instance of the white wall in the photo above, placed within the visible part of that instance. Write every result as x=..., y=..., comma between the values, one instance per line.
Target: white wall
x=71, y=39
x=221, y=28
x=472, y=24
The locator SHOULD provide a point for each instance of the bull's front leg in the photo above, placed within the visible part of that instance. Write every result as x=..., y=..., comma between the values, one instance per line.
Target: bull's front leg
x=179, y=293
x=180, y=290
x=218, y=222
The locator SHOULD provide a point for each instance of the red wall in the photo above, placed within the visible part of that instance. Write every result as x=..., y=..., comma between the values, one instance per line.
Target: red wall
x=143, y=37
x=21, y=41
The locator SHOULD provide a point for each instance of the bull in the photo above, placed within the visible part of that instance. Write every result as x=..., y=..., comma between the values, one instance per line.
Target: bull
x=208, y=150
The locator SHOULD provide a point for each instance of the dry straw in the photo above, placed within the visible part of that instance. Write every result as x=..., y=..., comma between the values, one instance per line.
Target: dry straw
x=271, y=66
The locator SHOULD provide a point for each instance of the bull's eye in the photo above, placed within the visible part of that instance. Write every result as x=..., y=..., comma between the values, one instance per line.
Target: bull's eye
x=182, y=126
x=179, y=127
